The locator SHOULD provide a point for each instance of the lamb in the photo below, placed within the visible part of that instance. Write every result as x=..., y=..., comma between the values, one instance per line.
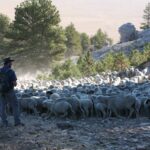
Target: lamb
x=28, y=104
x=39, y=100
x=87, y=107
x=75, y=103
x=61, y=108
x=100, y=108
x=48, y=105
x=122, y=102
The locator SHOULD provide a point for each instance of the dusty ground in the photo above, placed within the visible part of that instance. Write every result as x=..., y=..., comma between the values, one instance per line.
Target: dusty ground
x=83, y=134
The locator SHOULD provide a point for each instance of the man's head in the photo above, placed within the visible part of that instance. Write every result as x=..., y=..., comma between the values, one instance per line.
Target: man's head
x=8, y=62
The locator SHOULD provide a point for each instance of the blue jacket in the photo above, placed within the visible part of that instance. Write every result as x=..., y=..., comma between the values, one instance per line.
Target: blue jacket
x=11, y=74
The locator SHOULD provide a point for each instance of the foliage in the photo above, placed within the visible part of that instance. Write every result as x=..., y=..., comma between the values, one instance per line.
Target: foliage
x=36, y=33
x=66, y=70
x=100, y=67
x=100, y=40
x=118, y=61
x=85, y=42
x=146, y=52
x=136, y=57
x=86, y=64
x=4, y=26
x=34, y=19
x=73, y=42
x=108, y=61
x=37, y=23
x=121, y=61
x=146, y=17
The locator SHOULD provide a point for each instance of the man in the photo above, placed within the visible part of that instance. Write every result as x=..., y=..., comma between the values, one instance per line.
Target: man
x=9, y=96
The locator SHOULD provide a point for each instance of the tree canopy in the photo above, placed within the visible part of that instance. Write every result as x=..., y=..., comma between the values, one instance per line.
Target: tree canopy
x=34, y=19
x=4, y=25
x=85, y=42
x=146, y=17
x=36, y=25
x=100, y=39
x=73, y=42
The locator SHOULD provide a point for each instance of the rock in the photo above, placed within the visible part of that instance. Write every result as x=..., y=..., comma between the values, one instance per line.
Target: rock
x=127, y=32
x=144, y=33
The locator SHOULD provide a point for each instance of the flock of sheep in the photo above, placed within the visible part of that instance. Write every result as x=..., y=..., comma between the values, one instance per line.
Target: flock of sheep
x=114, y=94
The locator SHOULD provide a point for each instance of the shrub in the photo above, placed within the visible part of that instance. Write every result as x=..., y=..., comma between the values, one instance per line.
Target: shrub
x=66, y=70
x=136, y=57
x=121, y=62
x=86, y=64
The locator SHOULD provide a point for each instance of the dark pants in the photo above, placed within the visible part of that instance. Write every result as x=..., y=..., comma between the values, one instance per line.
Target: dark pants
x=11, y=98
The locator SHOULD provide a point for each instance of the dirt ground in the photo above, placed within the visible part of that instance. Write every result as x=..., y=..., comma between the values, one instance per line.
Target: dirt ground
x=83, y=134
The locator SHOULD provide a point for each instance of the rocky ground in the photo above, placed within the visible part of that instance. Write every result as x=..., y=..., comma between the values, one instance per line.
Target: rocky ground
x=83, y=134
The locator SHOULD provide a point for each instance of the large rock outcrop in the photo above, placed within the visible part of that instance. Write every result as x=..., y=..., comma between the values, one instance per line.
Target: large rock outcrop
x=127, y=33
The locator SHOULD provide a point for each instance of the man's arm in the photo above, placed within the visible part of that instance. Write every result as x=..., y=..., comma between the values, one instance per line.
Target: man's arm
x=14, y=83
x=13, y=78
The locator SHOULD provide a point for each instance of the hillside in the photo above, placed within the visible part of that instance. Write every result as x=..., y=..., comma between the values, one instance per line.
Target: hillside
x=143, y=38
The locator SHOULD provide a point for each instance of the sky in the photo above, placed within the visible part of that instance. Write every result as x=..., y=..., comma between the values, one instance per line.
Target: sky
x=90, y=15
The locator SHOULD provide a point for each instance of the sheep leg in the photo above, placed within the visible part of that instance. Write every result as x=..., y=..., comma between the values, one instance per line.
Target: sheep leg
x=97, y=113
x=115, y=112
x=131, y=112
x=82, y=112
x=91, y=112
x=104, y=114
x=87, y=112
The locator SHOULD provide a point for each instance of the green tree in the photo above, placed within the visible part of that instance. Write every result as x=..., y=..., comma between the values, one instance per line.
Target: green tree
x=146, y=17
x=99, y=66
x=4, y=26
x=146, y=52
x=73, y=42
x=66, y=70
x=36, y=22
x=136, y=57
x=121, y=61
x=100, y=39
x=36, y=27
x=108, y=61
x=86, y=64
x=85, y=42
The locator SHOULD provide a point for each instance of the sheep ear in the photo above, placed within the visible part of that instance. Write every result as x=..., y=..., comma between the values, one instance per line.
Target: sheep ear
x=147, y=101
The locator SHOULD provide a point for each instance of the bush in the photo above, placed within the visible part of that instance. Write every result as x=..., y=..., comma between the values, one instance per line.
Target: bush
x=108, y=61
x=136, y=57
x=66, y=70
x=146, y=52
x=87, y=65
x=121, y=62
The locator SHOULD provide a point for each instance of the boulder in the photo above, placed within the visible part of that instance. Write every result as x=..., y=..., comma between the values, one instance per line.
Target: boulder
x=127, y=33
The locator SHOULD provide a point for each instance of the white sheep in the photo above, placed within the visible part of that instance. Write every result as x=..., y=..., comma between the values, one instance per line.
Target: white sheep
x=62, y=108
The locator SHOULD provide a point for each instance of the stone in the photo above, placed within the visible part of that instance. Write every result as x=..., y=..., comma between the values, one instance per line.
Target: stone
x=127, y=32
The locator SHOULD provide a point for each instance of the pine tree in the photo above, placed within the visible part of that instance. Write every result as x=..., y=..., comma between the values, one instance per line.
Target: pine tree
x=73, y=42
x=146, y=17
